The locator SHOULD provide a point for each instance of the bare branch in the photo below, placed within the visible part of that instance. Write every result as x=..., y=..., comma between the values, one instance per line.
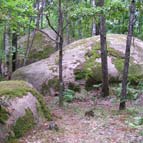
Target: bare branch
x=46, y=35
x=49, y=23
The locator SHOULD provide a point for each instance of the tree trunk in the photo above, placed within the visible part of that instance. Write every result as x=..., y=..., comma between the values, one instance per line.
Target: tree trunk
x=79, y=28
x=127, y=56
x=0, y=67
x=67, y=26
x=105, y=82
x=7, y=49
x=38, y=15
x=14, y=56
x=93, y=20
x=60, y=46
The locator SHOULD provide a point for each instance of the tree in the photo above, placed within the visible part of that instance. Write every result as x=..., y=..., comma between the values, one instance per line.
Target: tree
x=105, y=83
x=95, y=25
x=127, y=56
x=60, y=47
x=13, y=15
x=93, y=21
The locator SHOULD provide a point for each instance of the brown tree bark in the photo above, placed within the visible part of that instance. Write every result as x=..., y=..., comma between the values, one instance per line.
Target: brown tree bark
x=127, y=56
x=105, y=82
x=14, y=56
x=60, y=46
x=95, y=25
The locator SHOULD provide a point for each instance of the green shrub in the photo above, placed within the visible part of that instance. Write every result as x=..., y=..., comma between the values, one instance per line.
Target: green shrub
x=132, y=91
x=69, y=95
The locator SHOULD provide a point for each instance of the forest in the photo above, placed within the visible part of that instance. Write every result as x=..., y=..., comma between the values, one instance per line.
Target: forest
x=71, y=71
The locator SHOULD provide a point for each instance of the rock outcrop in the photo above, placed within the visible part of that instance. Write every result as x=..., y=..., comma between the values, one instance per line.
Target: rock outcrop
x=82, y=64
x=21, y=108
x=41, y=48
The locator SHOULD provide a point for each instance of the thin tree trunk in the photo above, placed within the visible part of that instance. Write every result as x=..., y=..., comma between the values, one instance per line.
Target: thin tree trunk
x=42, y=17
x=0, y=67
x=38, y=15
x=67, y=31
x=67, y=27
x=127, y=56
x=7, y=49
x=105, y=82
x=79, y=28
x=98, y=23
x=28, y=43
x=57, y=39
x=60, y=22
x=93, y=20
x=14, y=56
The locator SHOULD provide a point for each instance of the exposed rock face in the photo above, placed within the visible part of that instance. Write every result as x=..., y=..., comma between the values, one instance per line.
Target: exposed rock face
x=81, y=62
x=21, y=108
x=41, y=48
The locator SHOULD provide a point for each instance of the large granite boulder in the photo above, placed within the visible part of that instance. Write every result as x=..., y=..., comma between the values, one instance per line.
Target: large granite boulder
x=82, y=64
x=21, y=108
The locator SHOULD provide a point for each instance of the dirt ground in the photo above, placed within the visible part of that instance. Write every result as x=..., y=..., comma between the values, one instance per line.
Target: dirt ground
x=70, y=125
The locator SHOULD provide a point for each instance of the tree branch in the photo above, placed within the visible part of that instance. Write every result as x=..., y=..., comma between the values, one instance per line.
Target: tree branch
x=46, y=35
x=49, y=23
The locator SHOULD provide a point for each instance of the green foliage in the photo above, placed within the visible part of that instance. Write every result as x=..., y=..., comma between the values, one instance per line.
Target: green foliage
x=132, y=91
x=69, y=95
x=140, y=86
x=136, y=122
x=23, y=124
x=79, y=74
x=16, y=13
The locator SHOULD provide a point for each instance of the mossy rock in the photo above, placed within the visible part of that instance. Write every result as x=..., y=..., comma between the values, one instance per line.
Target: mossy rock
x=42, y=46
x=24, y=124
x=82, y=62
x=74, y=87
x=21, y=108
x=49, y=86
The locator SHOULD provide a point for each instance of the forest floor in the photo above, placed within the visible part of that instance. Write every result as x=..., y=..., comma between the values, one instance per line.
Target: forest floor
x=75, y=126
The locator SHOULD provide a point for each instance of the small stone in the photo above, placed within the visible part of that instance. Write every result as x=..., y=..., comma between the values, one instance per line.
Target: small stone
x=53, y=126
